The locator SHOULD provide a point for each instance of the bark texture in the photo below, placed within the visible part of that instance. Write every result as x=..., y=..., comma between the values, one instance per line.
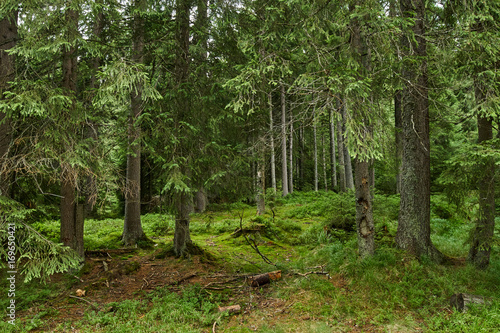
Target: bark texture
x=482, y=236
x=413, y=234
x=284, y=169
x=333, y=158
x=132, y=229
x=8, y=39
x=271, y=140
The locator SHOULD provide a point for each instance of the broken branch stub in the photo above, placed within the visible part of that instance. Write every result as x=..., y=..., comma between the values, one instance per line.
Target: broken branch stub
x=261, y=279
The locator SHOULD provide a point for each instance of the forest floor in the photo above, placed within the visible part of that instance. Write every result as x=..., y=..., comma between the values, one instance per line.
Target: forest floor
x=324, y=285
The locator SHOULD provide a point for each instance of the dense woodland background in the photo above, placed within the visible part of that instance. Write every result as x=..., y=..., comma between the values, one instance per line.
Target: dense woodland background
x=117, y=108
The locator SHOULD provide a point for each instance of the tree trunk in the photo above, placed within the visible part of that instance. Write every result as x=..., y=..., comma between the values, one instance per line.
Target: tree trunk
x=349, y=181
x=71, y=229
x=316, y=180
x=325, y=178
x=183, y=199
x=182, y=236
x=301, y=157
x=132, y=230
x=398, y=135
x=365, y=227
x=283, y=143
x=261, y=183
x=340, y=143
x=333, y=158
x=482, y=236
x=290, y=169
x=271, y=135
x=8, y=39
x=413, y=234
x=200, y=200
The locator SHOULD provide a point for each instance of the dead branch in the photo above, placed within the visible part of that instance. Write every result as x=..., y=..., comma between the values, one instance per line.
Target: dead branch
x=98, y=308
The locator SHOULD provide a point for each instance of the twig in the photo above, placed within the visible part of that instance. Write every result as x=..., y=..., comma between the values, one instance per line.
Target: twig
x=213, y=327
x=254, y=246
x=83, y=299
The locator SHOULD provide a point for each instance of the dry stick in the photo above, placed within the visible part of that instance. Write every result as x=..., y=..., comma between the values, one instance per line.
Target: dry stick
x=213, y=327
x=254, y=246
x=82, y=299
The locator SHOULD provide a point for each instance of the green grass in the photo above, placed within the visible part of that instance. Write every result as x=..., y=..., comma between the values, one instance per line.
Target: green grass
x=389, y=292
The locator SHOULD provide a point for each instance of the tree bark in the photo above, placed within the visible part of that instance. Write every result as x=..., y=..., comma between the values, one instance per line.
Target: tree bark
x=482, y=236
x=413, y=234
x=182, y=236
x=316, y=180
x=8, y=39
x=261, y=183
x=333, y=158
x=284, y=163
x=71, y=229
x=398, y=135
x=271, y=136
x=325, y=178
x=290, y=159
x=340, y=143
x=183, y=198
x=132, y=229
x=349, y=180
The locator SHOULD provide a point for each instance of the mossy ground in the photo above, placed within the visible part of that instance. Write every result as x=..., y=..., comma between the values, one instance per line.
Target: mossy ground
x=325, y=287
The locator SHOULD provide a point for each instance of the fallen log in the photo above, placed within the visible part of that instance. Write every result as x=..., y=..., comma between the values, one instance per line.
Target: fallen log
x=261, y=279
x=230, y=309
x=461, y=301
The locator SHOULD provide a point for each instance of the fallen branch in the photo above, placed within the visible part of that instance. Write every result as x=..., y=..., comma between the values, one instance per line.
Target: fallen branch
x=187, y=277
x=462, y=301
x=83, y=299
x=254, y=246
x=318, y=273
x=261, y=279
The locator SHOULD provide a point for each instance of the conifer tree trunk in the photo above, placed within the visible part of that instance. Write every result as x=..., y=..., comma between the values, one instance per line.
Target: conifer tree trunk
x=132, y=230
x=333, y=158
x=301, y=157
x=482, y=236
x=349, y=180
x=261, y=179
x=290, y=159
x=340, y=143
x=271, y=135
x=284, y=169
x=315, y=138
x=398, y=135
x=325, y=178
x=413, y=234
x=71, y=228
x=184, y=200
x=8, y=39
x=365, y=227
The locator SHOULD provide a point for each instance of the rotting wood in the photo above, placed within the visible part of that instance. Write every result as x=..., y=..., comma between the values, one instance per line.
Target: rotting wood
x=230, y=309
x=462, y=301
x=261, y=279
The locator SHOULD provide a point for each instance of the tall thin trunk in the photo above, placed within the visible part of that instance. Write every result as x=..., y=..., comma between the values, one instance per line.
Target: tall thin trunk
x=284, y=163
x=71, y=229
x=399, y=140
x=333, y=158
x=413, y=234
x=8, y=39
x=340, y=143
x=182, y=236
x=482, y=236
x=365, y=227
x=325, y=178
x=315, y=138
x=290, y=169
x=271, y=139
x=261, y=180
x=349, y=180
x=301, y=157
x=132, y=229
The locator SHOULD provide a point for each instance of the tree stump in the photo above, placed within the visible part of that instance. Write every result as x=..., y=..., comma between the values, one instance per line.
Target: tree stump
x=462, y=301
